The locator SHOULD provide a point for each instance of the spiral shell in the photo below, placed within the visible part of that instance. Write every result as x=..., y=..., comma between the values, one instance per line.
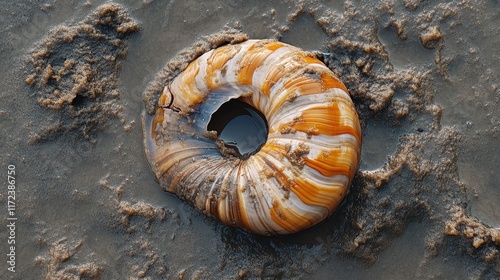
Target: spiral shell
x=303, y=171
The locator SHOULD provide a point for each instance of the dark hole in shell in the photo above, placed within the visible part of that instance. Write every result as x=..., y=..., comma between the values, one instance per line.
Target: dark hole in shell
x=241, y=129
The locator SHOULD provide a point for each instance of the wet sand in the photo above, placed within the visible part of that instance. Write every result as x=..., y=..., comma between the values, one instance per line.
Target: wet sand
x=424, y=78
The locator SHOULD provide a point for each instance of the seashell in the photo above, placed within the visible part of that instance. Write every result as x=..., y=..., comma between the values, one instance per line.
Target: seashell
x=300, y=174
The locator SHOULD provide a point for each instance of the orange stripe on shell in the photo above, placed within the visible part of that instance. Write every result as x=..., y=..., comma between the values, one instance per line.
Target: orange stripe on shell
x=217, y=63
x=252, y=59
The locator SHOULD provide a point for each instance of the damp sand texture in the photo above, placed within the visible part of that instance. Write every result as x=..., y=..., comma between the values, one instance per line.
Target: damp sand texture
x=424, y=79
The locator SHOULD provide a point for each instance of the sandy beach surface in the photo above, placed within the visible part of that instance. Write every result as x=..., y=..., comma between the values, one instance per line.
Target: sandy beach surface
x=80, y=201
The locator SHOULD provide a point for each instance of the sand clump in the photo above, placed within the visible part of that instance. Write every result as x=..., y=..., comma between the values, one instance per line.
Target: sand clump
x=75, y=69
x=58, y=262
x=140, y=209
x=477, y=232
x=431, y=37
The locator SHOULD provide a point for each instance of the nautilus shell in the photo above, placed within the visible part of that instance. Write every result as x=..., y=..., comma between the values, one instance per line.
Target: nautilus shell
x=300, y=174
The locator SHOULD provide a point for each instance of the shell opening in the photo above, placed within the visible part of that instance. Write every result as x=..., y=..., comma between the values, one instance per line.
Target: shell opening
x=241, y=129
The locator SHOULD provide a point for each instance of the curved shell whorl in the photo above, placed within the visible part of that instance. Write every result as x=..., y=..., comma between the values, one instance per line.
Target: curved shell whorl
x=302, y=172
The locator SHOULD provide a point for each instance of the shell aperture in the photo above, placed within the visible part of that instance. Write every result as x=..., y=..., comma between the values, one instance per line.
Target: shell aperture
x=302, y=171
x=240, y=127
